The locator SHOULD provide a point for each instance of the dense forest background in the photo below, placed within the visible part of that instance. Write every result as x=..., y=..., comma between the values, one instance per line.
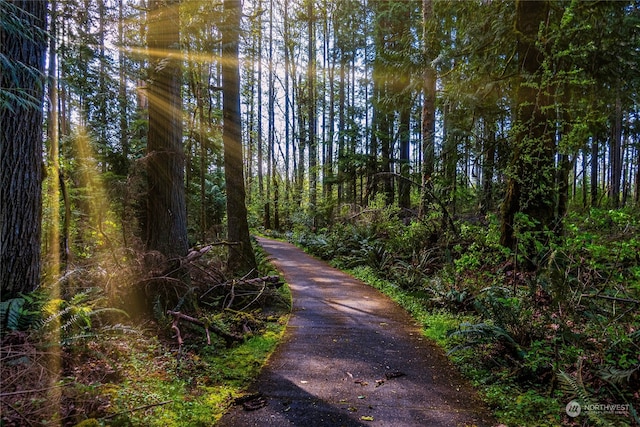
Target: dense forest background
x=481, y=158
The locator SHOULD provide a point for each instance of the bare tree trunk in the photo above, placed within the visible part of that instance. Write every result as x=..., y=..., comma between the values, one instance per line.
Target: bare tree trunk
x=270, y=123
x=24, y=46
x=301, y=142
x=404, y=184
x=241, y=259
x=260, y=145
x=615, y=155
x=54, y=174
x=122, y=94
x=594, y=171
x=288, y=121
x=311, y=112
x=488, y=166
x=166, y=222
x=342, y=150
x=428, y=120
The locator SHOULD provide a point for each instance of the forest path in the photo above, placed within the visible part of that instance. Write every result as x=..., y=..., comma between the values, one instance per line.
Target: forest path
x=352, y=357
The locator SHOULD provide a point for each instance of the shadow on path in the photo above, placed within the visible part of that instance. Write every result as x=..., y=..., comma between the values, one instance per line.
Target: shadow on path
x=352, y=357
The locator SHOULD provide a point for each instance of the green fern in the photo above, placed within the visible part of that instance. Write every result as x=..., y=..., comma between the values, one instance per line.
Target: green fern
x=10, y=314
x=617, y=376
x=482, y=333
x=574, y=386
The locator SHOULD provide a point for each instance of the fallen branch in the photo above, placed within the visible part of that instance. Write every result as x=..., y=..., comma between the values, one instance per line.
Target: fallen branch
x=37, y=390
x=20, y=414
x=177, y=316
x=195, y=254
x=628, y=300
x=274, y=281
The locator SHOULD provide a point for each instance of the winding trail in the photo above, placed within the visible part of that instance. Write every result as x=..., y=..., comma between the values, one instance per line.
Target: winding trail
x=352, y=357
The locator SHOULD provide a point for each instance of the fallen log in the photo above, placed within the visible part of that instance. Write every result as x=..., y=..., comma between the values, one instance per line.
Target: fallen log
x=229, y=338
x=272, y=280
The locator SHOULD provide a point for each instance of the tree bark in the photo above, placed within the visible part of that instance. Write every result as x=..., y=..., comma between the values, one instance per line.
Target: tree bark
x=166, y=222
x=241, y=259
x=404, y=184
x=615, y=154
x=488, y=165
x=428, y=119
x=530, y=187
x=594, y=170
x=23, y=45
x=311, y=112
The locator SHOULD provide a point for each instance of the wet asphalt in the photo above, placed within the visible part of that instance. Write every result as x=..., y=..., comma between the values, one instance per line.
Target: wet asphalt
x=352, y=357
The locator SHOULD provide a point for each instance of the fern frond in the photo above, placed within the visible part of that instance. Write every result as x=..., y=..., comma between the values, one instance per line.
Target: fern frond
x=10, y=313
x=617, y=376
x=574, y=386
x=481, y=333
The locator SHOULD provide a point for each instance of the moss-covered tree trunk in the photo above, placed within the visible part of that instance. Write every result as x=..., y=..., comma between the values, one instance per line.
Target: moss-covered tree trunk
x=530, y=187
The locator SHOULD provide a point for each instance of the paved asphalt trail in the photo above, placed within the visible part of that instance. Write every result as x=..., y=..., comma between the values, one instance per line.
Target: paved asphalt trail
x=343, y=337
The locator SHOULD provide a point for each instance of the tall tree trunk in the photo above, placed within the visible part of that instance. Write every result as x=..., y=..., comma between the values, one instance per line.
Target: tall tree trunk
x=260, y=146
x=102, y=90
x=488, y=166
x=615, y=154
x=24, y=46
x=530, y=188
x=241, y=259
x=594, y=170
x=404, y=183
x=54, y=173
x=585, y=201
x=342, y=118
x=449, y=158
x=271, y=125
x=637, y=183
x=166, y=221
x=202, y=139
x=565, y=166
x=311, y=112
x=287, y=109
x=301, y=142
x=428, y=119
x=386, y=152
x=122, y=96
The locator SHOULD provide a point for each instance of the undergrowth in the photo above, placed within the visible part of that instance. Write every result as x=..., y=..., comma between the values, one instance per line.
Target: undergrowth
x=532, y=342
x=76, y=357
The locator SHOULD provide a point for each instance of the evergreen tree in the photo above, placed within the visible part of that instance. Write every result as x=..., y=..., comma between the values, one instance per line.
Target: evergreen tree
x=242, y=258
x=166, y=226
x=23, y=44
x=531, y=184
